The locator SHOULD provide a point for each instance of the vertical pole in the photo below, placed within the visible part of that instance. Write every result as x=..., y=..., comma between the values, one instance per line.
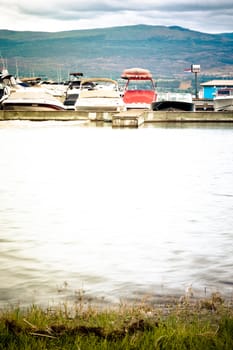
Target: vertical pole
x=196, y=93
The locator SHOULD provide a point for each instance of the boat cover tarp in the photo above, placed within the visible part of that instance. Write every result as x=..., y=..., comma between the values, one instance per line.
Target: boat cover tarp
x=136, y=73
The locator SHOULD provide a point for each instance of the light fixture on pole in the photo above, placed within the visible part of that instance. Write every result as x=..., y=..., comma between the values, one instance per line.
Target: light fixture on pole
x=196, y=68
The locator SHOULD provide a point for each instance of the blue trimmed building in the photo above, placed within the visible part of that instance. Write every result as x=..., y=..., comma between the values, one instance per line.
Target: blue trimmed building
x=210, y=87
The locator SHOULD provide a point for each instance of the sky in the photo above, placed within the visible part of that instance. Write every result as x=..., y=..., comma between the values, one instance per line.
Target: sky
x=209, y=16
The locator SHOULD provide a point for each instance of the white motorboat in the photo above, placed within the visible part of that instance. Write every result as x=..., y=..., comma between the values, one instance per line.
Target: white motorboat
x=173, y=101
x=32, y=99
x=99, y=94
x=223, y=101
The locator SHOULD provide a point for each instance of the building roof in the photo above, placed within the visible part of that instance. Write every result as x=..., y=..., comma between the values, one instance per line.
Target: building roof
x=222, y=82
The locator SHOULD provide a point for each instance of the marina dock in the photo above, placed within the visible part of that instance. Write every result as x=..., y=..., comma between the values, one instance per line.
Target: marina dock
x=129, y=118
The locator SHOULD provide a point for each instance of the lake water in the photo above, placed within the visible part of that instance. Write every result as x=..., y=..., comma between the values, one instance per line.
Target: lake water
x=114, y=214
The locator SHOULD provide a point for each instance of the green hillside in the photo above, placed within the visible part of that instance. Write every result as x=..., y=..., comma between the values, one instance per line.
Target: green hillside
x=166, y=51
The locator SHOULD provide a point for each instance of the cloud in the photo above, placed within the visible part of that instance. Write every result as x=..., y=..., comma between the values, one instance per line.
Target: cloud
x=57, y=15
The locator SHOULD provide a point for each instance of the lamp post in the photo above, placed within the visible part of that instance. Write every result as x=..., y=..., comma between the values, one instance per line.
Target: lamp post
x=195, y=68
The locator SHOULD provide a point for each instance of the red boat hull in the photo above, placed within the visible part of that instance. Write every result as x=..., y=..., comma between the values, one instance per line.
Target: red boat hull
x=139, y=96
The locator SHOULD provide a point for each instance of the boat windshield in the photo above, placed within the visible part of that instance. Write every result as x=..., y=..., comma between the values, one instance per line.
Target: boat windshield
x=140, y=85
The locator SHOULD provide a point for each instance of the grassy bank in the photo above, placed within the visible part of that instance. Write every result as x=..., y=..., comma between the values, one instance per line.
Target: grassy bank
x=204, y=324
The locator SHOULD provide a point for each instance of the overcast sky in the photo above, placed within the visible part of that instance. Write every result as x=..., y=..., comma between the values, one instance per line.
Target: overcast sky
x=210, y=16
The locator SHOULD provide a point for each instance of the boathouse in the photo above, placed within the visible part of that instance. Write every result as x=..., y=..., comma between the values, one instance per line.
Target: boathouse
x=209, y=88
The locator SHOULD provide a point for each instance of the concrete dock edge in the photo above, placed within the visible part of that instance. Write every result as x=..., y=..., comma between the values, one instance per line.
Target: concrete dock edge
x=147, y=116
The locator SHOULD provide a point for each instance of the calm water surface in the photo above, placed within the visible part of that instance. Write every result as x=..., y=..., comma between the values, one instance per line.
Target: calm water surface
x=114, y=213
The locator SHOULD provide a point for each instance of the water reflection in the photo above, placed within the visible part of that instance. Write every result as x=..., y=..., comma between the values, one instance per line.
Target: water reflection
x=114, y=212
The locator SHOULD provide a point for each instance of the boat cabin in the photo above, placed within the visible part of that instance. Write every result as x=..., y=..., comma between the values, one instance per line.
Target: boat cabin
x=139, y=90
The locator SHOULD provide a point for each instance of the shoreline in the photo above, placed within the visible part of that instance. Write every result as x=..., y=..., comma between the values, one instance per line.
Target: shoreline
x=156, y=300
x=192, y=326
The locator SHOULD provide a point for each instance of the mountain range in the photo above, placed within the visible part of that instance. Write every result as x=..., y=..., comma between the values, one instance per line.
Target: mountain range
x=166, y=51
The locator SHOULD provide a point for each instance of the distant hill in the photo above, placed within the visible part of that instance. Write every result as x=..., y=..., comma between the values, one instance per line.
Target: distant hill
x=166, y=51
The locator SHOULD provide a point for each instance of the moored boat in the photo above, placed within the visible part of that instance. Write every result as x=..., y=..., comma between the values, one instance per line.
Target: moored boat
x=99, y=94
x=139, y=91
x=32, y=99
x=223, y=100
x=173, y=101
